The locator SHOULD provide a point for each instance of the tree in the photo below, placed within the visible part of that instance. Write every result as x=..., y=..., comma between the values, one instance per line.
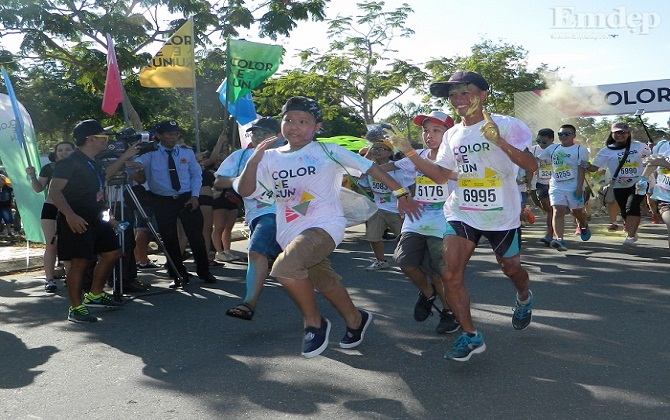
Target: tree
x=338, y=118
x=358, y=62
x=69, y=37
x=403, y=117
x=504, y=66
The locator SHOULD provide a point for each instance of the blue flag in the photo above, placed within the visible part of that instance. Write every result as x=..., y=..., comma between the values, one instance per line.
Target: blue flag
x=15, y=107
x=243, y=109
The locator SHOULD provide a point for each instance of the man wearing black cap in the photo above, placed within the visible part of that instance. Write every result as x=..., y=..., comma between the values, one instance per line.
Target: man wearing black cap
x=174, y=178
x=77, y=189
x=484, y=153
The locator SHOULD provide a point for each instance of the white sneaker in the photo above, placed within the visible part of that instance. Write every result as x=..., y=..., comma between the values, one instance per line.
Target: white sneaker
x=629, y=240
x=378, y=265
x=225, y=256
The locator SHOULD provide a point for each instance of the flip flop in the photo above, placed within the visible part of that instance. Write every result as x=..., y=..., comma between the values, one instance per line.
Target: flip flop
x=241, y=311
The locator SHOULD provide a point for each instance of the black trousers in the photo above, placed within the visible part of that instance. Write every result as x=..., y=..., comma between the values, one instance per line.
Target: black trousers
x=166, y=211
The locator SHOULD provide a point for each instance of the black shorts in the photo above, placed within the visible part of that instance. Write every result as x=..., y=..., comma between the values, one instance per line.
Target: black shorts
x=49, y=212
x=206, y=200
x=99, y=237
x=228, y=200
x=505, y=243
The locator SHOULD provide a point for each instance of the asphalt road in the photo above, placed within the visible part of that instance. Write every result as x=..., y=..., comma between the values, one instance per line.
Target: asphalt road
x=597, y=347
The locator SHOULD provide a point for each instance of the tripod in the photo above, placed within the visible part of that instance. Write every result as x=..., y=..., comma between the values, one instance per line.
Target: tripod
x=118, y=187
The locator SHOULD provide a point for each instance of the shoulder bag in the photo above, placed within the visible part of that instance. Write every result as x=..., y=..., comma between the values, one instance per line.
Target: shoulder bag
x=607, y=191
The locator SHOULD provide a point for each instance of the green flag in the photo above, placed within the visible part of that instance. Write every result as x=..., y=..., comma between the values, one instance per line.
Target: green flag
x=248, y=65
x=14, y=159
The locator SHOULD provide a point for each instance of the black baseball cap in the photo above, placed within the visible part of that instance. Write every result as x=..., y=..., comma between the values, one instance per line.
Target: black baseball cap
x=167, y=126
x=441, y=89
x=266, y=123
x=300, y=103
x=87, y=128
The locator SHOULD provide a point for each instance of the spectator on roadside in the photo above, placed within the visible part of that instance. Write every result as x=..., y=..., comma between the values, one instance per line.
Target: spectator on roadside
x=77, y=189
x=259, y=215
x=174, y=178
x=6, y=198
x=620, y=146
x=566, y=187
x=305, y=178
x=484, y=153
x=49, y=211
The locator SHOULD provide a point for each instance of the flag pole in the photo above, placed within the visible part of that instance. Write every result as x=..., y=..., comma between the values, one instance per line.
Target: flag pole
x=195, y=93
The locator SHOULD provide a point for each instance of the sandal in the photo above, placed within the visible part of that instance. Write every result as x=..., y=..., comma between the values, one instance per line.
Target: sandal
x=242, y=311
x=424, y=306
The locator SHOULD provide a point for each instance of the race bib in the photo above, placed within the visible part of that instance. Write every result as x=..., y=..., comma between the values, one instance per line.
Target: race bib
x=563, y=173
x=663, y=179
x=480, y=194
x=544, y=172
x=629, y=170
x=428, y=191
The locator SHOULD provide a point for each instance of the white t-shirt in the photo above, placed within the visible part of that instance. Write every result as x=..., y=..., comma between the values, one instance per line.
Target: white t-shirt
x=233, y=167
x=543, y=173
x=431, y=196
x=565, y=165
x=486, y=196
x=662, y=187
x=306, y=185
x=632, y=169
x=383, y=196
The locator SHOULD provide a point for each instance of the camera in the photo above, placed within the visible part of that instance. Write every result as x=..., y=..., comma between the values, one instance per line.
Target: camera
x=126, y=137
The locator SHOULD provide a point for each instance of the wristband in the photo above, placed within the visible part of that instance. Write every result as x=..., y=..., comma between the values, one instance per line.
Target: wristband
x=400, y=192
x=643, y=179
x=403, y=195
x=410, y=153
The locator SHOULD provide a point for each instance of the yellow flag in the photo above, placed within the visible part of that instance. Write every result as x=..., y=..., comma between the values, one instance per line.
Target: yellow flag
x=174, y=65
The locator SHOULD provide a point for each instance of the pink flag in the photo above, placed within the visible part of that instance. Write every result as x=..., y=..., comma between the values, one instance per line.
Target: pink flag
x=113, y=95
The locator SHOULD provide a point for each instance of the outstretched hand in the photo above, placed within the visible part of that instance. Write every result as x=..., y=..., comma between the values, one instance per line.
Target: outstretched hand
x=398, y=139
x=490, y=129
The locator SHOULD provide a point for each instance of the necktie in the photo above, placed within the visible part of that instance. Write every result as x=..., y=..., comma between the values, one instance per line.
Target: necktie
x=174, y=177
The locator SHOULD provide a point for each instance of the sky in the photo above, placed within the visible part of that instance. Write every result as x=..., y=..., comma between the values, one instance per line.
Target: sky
x=630, y=45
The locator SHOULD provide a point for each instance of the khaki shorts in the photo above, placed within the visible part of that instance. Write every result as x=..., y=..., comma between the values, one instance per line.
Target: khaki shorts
x=307, y=256
x=377, y=224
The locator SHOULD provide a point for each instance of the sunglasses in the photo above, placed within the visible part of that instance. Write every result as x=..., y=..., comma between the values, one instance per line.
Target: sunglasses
x=565, y=134
x=541, y=141
x=381, y=149
x=99, y=136
x=619, y=132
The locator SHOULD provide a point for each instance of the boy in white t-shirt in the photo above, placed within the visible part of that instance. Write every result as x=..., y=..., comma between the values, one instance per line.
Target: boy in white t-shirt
x=305, y=178
x=566, y=187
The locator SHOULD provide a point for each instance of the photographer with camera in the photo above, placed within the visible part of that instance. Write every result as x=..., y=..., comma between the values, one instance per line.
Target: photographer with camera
x=77, y=189
x=174, y=178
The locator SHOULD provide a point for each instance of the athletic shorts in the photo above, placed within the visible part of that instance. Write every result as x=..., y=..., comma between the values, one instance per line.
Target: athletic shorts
x=377, y=224
x=565, y=198
x=49, y=212
x=307, y=256
x=628, y=201
x=264, y=236
x=505, y=243
x=541, y=191
x=99, y=237
x=206, y=200
x=415, y=250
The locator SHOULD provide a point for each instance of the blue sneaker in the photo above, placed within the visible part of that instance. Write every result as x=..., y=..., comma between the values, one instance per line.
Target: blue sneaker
x=352, y=338
x=585, y=233
x=315, y=340
x=559, y=244
x=465, y=346
x=523, y=313
x=546, y=240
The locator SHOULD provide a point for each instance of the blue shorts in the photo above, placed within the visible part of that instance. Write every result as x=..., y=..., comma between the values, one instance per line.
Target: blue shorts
x=264, y=236
x=6, y=215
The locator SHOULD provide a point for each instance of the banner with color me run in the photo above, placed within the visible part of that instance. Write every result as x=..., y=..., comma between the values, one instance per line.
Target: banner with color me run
x=248, y=64
x=14, y=160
